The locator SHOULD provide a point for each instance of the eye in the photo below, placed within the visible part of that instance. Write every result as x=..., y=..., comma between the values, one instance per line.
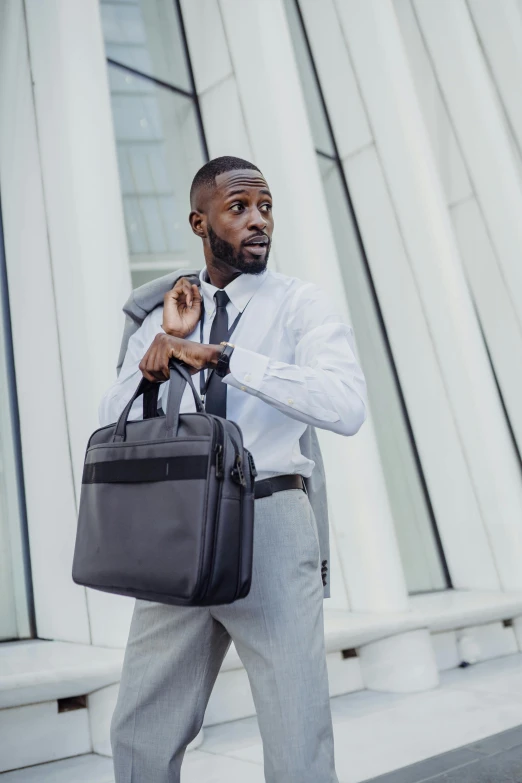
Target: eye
x=267, y=207
x=237, y=207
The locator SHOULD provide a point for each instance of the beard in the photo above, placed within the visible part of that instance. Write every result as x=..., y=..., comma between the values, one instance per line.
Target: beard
x=225, y=253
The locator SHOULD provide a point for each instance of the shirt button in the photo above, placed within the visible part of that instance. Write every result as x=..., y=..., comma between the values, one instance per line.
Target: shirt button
x=290, y=401
x=248, y=377
x=243, y=388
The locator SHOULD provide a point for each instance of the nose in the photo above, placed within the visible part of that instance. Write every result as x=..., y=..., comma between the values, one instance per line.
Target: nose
x=257, y=220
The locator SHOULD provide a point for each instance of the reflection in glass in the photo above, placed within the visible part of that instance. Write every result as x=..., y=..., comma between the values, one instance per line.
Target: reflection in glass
x=145, y=35
x=158, y=138
x=159, y=152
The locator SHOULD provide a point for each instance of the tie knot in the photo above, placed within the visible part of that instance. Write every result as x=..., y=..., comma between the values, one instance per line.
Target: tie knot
x=222, y=298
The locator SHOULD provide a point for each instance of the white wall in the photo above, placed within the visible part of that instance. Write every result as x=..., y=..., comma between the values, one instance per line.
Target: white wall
x=446, y=58
x=434, y=334
x=275, y=132
x=420, y=191
x=61, y=608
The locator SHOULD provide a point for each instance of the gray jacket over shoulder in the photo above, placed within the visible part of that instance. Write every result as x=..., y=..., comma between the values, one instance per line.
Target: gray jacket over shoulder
x=144, y=300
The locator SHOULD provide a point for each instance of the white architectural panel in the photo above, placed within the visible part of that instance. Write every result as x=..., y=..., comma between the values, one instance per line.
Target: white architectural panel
x=84, y=225
x=83, y=203
x=381, y=65
x=346, y=108
x=499, y=27
x=445, y=467
x=408, y=499
x=480, y=126
x=61, y=611
x=230, y=137
x=499, y=318
x=209, y=53
x=451, y=167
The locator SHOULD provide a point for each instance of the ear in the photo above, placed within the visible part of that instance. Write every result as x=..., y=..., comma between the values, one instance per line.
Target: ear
x=198, y=223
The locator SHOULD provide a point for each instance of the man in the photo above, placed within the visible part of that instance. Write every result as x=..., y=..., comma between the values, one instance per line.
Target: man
x=291, y=364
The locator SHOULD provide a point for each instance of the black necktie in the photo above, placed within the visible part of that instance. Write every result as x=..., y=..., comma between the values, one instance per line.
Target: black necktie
x=216, y=396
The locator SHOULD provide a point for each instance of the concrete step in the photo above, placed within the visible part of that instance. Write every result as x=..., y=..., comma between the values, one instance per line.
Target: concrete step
x=57, y=698
x=375, y=733
x=82, y=769
x=37, y=671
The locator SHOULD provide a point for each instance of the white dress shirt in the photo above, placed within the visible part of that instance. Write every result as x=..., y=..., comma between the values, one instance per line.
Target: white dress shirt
x=294, y=364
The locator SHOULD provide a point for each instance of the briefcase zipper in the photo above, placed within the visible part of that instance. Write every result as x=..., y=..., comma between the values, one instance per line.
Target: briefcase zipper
x=219, y=461
x=219, y=432
x=252, y=464
x=237, y=472
x=219, y=450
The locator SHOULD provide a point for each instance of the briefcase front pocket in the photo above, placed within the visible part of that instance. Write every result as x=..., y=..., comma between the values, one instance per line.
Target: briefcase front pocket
x=143, y=519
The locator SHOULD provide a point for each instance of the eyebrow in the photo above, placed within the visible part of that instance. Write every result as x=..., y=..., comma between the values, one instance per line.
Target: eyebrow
x=237, y=192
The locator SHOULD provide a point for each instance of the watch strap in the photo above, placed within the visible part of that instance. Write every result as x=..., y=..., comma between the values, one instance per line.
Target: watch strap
x=224, y=359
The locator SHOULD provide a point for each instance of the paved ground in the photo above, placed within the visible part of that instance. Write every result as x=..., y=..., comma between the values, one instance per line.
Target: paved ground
x=438, y=735
x=497, y=759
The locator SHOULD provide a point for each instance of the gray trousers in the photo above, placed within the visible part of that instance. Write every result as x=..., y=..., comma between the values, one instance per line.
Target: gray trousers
x=174, y=654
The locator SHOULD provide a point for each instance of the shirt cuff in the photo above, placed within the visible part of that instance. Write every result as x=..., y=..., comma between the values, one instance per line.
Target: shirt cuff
x=247, y=369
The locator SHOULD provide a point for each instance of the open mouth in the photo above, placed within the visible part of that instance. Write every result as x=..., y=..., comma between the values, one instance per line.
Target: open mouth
x=257, y=245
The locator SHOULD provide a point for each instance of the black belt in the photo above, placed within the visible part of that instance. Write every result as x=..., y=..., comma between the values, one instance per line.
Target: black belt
x=268, y=486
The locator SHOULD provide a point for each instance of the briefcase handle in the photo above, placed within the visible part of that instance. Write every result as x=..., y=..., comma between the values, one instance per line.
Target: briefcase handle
x=179, y=377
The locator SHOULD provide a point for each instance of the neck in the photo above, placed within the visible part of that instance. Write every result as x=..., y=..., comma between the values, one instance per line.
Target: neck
x=219, y=275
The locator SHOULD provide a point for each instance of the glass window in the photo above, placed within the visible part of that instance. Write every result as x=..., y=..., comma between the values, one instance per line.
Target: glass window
x=159, y=138
x=416, y=532
x=145, y=35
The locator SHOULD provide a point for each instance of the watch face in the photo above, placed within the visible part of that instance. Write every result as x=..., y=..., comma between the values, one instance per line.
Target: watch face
x=223, y=361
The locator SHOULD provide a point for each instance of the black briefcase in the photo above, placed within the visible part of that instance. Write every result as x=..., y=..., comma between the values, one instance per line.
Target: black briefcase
x=167, y=506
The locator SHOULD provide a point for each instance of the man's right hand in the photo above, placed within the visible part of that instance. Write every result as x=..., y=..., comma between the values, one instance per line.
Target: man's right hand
x=164, y=347
x=181, y=308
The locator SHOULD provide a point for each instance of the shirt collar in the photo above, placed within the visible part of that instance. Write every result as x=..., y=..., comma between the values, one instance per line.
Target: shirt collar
x=240, y=290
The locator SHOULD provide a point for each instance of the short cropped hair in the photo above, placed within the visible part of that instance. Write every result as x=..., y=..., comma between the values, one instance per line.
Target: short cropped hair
x=207, y=174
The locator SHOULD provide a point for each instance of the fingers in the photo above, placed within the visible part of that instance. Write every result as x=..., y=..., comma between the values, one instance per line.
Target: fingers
x=155, y=364
x=184, y=293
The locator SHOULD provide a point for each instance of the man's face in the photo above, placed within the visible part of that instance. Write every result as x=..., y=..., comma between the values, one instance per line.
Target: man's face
x=239, y=221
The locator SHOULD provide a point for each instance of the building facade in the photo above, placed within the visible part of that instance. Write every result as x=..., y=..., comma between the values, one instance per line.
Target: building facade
x=390, y=132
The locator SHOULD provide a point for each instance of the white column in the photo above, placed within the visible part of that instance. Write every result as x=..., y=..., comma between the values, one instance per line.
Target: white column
x=477, y=117
x=277, y=126
x=83, y=201
x=429, y=407
x=61, y=610
x=85, y=225
x=385, y=81
x=499, y=27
